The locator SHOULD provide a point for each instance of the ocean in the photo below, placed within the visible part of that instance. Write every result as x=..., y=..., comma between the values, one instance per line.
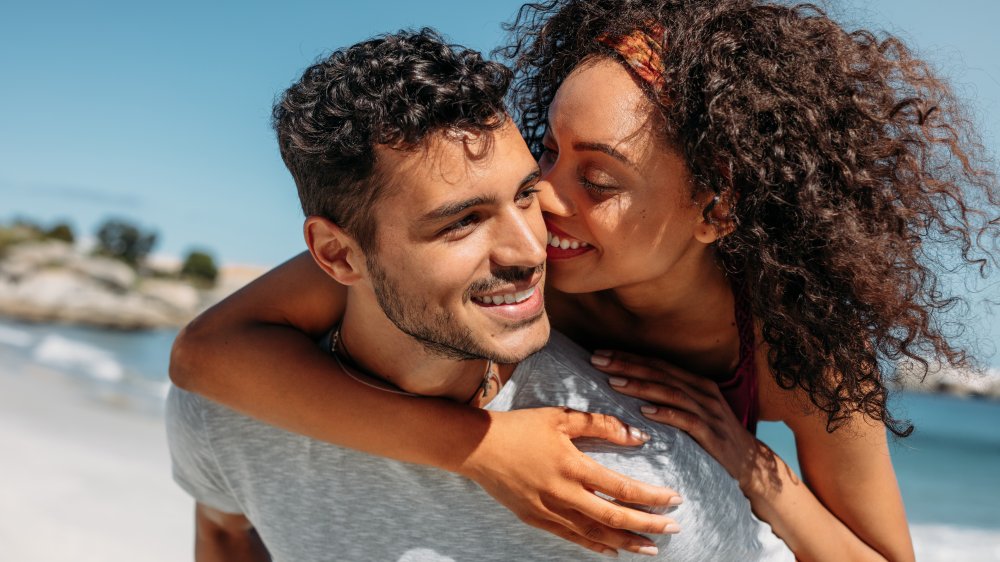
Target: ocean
x=948, y=469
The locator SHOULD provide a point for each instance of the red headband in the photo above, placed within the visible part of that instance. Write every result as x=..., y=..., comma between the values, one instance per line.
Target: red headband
x=641, y=50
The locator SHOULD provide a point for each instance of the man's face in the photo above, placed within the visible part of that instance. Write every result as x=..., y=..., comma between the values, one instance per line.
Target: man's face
x=459, y=257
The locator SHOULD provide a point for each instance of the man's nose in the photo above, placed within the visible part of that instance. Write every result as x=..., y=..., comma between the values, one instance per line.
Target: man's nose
x=521, y=240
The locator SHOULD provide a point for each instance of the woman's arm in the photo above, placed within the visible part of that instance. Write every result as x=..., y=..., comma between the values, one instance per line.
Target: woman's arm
x=848, y=506
x=256, y=352
x=848, y=484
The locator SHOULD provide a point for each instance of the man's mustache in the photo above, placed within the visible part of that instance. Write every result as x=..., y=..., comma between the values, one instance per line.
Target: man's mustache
x=502, y=278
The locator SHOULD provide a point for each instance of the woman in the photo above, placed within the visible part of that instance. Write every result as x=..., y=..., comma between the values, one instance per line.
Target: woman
x=744, y=192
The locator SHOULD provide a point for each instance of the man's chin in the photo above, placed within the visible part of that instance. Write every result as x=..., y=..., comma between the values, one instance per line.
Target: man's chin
x=526, y=340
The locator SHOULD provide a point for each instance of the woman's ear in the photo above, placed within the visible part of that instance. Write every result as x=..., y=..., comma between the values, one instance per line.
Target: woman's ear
x=335, y=251
x=717, y=220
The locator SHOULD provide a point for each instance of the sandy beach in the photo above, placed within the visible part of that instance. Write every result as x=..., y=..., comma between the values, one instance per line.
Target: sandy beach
x=84, y=479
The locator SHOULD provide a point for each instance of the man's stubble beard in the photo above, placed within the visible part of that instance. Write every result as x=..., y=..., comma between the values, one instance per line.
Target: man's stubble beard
x=437, y=332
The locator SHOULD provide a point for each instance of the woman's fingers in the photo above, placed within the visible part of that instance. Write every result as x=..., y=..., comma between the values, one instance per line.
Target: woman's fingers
x=586, y=527
x=649, y=368
x=631, y=366
x=685, y=421
x=601, y=426
x=615, y=516
x=597, y=478
x=564, y=532
x=657, y=393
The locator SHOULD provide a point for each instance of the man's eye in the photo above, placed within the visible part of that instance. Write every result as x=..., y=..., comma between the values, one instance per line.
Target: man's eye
x=527, y=196
x=458, y=226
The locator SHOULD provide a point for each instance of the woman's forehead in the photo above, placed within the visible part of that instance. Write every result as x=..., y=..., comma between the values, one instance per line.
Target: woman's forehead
x=601, y=100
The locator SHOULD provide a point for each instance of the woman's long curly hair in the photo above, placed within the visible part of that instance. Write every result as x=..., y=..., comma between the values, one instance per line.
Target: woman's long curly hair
x=856, y=176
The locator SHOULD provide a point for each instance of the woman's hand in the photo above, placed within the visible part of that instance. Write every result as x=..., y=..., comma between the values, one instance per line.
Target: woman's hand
x=528, y=462
x=690, y=403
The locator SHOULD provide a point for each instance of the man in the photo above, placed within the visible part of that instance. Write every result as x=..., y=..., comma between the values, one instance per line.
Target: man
x=420, y=196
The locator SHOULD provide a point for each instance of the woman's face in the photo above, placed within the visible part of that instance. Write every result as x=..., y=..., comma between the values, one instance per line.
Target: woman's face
x=622, y=198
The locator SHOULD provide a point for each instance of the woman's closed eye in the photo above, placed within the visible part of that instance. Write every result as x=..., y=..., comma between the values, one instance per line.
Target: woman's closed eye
x=599, y=184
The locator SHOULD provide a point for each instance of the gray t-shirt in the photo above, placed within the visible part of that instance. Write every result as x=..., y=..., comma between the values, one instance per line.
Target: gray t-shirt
x=311, y=500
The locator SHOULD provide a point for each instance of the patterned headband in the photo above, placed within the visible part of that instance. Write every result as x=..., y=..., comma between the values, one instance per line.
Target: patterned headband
x=641, y=50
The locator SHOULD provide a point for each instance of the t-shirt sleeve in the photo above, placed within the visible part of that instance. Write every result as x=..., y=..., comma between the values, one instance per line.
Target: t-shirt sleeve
x=195, y=467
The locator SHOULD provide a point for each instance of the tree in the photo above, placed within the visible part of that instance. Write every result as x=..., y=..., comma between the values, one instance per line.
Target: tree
x=61, y=231
x=119, y=239
x=200, y=267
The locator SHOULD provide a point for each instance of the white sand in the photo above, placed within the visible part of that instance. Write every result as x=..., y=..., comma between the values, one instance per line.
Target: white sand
x=81, y=479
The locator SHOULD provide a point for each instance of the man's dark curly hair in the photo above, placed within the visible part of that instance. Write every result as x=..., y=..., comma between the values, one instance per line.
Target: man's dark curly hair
x=857, y=179
x=393, y=90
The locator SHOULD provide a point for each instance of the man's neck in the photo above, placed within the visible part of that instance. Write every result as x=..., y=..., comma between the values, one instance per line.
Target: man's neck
x=375, y=346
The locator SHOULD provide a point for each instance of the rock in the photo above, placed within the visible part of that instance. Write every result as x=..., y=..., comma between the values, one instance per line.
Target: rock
x=64, y=295
x=50, y=282
x=946, y=380
x=107, y=270
x=22, y=259
x=175, y=294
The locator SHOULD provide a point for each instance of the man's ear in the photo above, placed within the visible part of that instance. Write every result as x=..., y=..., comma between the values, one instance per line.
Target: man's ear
x=335, y=251
x=717, y=219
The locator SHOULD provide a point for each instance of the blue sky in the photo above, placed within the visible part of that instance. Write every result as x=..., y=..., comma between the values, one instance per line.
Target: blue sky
x=159, y=112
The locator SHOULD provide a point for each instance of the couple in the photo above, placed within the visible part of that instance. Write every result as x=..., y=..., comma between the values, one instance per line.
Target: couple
x=730, y=185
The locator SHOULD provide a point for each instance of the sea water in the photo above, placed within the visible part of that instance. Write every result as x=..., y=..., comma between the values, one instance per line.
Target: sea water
x=948, y=469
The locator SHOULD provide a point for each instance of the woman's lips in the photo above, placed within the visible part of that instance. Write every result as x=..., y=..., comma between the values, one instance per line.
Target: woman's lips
x=563, y=246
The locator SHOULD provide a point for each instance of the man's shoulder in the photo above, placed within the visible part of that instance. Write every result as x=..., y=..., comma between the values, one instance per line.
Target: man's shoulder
x=216, y=425
x=561, y=374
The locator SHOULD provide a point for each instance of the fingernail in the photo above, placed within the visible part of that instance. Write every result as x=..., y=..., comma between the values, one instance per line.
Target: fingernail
x=675, y=501
x=600, y=360
x=610, y=552
x=648, y=550
x=602, y=352
x=672, y=528
x=649, y=409
x=639, y=434
x=617, y=381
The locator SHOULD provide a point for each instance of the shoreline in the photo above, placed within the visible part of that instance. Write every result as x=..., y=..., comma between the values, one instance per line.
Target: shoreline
x=90, y=467
x=84, y=479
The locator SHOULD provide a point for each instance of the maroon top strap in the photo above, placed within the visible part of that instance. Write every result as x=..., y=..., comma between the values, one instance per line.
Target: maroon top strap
x=740, y=390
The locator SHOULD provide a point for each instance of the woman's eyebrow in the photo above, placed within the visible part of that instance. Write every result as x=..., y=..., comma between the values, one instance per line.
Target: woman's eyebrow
x=596, y=147
x=606, y=149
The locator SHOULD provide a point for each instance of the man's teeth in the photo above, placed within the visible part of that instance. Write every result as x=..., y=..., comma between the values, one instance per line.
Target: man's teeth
x=565, y=243
x=509, y=298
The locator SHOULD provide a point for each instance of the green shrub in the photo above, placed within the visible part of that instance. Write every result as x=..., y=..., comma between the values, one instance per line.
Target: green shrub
x=61, y=231
x=200, y=267
x=119, y=239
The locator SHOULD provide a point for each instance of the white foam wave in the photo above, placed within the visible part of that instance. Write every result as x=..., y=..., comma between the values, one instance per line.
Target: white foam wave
x=16, y=338
x=946, y=543
x=69, y=354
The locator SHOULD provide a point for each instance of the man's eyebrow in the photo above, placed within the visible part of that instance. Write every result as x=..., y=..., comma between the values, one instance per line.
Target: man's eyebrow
x=606, y=149
x=458, y=207
x=530, y=178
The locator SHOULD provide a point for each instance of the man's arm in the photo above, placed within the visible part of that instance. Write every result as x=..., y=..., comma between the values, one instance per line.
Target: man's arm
x=226, y=537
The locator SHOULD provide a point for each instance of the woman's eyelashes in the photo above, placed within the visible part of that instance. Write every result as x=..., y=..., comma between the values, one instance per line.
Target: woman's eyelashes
x=599, y=189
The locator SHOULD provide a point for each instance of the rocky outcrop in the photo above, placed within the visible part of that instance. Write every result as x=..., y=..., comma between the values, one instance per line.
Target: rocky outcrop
x=50, y=282
x=944, y=380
